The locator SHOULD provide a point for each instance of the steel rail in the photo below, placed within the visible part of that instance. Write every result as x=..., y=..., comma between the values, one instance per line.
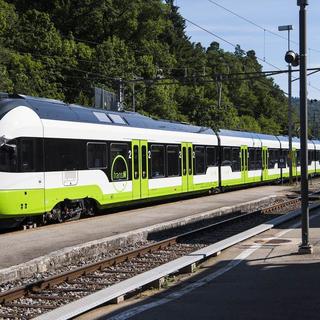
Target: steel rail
x=38, y=286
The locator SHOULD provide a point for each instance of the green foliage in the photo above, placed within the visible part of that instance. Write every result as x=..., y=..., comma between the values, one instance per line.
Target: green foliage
x=62, y=49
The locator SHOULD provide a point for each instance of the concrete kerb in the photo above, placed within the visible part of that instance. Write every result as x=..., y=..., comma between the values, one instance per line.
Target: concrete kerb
x=71, y=255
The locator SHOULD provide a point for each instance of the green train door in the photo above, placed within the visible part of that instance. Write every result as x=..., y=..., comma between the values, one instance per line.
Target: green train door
x=264, y=163
x=187, y=166
x=244, y=163
x=139, y=151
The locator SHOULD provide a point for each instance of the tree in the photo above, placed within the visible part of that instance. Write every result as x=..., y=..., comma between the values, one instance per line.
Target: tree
x=62, y=49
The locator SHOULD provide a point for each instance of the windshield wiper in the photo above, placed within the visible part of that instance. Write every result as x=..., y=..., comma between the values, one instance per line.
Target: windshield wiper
x=4, y=142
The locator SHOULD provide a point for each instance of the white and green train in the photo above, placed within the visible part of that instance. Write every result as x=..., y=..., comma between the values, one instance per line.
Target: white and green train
x=59, y=161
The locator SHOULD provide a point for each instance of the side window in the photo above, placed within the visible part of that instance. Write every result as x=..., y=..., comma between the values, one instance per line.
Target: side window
x=136, y=162
x=258, y=157
x=97, y=155
x=275, y=157
x=271, y=158
x=30, y=154
x=190, y=156
x=310, y=157
x=298, y=157
x=252, y=160
x=173, y=161
x=285, y=155
x=144, y=162
x=157, y=161
x=211, y=156
x=27, y=155
x=184, y=159
x=119, y=161
x=8, y=157
x=199, y=160
x=226, y=157
x=65, y=154
x=236, y=159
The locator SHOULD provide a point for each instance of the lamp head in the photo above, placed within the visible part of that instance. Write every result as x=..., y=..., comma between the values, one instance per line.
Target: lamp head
x=292, y=58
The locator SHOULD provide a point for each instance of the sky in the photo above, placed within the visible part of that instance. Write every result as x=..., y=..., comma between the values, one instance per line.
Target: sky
x=268, y=15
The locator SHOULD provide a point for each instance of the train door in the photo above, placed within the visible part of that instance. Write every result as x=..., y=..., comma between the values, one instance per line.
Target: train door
x=264, y=163
x=295, y=160
x=187, y=166
x=139, y=153
x=184, y=170
x=244, y=163
x=190, y=166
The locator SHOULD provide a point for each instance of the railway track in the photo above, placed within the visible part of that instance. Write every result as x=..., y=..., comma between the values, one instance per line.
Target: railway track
x=37, y=298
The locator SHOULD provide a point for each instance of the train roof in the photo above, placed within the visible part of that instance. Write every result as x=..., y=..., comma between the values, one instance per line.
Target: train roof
x=247, y=134
x=57, y=110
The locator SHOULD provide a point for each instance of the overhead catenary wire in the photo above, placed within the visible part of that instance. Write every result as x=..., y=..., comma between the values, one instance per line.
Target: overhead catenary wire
x=227, y=77
x=234, y=45
x=228, y=42
x=256, y=24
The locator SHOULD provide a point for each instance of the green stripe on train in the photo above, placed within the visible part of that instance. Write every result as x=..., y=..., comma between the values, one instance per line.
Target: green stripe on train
x=16, y=203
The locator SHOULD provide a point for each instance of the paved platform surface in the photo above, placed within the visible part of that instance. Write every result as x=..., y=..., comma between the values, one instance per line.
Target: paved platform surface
x=20, y=247
x=262, y=278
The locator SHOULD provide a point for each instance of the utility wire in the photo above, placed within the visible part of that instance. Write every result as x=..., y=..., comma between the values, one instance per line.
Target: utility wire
x=234, y=45
x=228, y=42
x=257, y=25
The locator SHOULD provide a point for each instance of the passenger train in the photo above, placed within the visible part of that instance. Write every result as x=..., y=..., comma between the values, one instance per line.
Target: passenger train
x=59, y=161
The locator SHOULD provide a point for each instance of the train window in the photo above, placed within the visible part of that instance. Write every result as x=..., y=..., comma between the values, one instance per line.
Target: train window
x=252, y=159
x=190, y=160
x=211, y=156
x=184, y=160
x=285, y=156
x=30, y=155
x=273, y=158
x=235, y=159
x=199, y=160
x=226, y=157
x=157, y=161
x=97, y=155
x=119, y=165
x=136, y=162
x=310, y=156
x=144, y=162
x=70, y=155
x=8, y=157
x=258, y=157
x=298, y=158
x=173, y=161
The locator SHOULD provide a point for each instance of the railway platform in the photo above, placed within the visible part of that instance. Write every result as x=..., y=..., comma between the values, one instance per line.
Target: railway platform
x=261, y=278
x=24, y=253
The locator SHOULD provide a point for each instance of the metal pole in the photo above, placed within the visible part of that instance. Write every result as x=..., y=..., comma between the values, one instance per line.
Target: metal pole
x=219, y=91
x=120, y=94
x=290, y=113
x=305, y=246
x=133, y=98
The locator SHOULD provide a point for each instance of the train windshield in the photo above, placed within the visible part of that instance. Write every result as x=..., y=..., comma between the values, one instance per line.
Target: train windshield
x=8, y=157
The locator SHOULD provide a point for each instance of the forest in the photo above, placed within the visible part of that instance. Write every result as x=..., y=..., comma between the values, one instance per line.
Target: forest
x=62, y=49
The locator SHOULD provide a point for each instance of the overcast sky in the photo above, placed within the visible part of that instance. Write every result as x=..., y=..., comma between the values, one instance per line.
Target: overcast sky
x=268, y=14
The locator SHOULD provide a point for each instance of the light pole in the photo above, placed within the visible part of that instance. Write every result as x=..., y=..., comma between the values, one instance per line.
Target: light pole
x=305, y=246
x=289, y=28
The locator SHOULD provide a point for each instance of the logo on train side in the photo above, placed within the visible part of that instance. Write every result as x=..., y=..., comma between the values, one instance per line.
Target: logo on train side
x=119, y=173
